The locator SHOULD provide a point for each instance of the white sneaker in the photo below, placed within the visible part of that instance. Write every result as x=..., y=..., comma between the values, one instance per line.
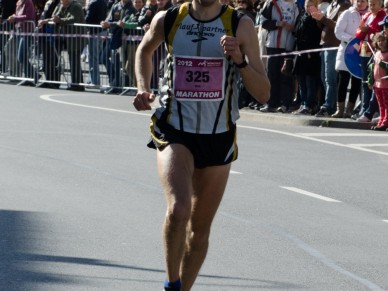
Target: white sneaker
x=363, y=118
x=376, y=120
x=92, y=86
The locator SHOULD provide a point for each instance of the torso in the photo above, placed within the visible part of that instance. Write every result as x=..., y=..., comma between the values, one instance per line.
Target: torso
x=200, y=94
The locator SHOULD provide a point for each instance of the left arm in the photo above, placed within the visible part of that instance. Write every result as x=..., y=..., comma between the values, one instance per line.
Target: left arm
x=246, y=44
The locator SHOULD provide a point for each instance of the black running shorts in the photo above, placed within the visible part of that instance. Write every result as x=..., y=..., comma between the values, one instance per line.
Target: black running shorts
x=207, y=149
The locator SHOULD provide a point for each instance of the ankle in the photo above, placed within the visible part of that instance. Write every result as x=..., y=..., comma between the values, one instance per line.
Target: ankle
x=176, y=286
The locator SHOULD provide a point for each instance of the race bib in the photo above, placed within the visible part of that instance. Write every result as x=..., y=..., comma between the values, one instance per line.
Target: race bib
x=199, y=78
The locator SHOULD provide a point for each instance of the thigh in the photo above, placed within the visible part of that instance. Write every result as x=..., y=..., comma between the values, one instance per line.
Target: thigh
x=175, y=169
x=209, y=186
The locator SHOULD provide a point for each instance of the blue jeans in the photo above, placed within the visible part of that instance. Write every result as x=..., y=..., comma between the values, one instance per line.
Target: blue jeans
x=307, y=89
x=111, y=60
x=95, y=48
x=329, y=79
x=24, y=44
x=373, y=107
x=366, y=95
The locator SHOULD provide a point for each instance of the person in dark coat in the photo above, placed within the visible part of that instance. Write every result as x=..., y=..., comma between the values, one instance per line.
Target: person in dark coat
x=65, y=15
x=49, y=46
x=308, y=65
x=7, y=8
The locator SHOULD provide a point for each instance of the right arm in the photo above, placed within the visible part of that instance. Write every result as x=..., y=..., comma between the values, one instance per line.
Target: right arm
x=153, y=38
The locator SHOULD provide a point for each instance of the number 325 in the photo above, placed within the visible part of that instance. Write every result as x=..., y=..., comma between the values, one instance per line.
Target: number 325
x=197, y=76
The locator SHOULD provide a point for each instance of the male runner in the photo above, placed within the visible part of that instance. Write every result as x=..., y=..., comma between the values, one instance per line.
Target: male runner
x=194, y=130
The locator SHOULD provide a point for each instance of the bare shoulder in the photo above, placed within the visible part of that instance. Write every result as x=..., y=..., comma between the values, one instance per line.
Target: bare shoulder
x=155, y=35
x=246, y=35
x=245, y=28
x=157, y=24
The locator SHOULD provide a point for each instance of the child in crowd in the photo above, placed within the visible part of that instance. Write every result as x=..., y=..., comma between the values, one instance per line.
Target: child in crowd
x=379, y=79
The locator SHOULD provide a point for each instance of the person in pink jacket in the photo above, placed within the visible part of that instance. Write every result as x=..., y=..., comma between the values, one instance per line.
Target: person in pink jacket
x=380, y=78
x=369, y=26
x=24, y=19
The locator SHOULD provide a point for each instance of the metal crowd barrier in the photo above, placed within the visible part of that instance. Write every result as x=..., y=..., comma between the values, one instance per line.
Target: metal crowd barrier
x=78, y=55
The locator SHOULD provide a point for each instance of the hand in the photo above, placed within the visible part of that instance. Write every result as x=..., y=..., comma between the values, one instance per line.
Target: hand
x=232, y=48
x=104, y=24
x=143, y=100
x=120, y=23
x=289, y=27
x=56, y=19
x=11, y=19
x=42, y=22
x=146, y=27
x=364, y=28
x=317, y=15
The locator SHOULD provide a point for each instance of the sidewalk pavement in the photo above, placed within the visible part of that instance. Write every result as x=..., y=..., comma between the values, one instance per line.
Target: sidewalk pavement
x=304, y=120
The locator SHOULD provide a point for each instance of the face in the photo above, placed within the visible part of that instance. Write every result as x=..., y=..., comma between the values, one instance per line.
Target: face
x=310, y=6
x=138, y=4
x=242, y=4
x=206, y=3
x=66, y=3
x=361, y=4
x=382, y=43
x=374, y=6
x=161, y=3
x=386, y=7
x=385, y=29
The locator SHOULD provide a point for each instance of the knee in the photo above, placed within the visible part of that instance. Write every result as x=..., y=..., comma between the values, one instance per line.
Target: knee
x=199, y=240
x=178, y=215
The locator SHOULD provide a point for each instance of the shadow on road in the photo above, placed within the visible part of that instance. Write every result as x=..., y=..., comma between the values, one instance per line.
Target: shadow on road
x=22, y=267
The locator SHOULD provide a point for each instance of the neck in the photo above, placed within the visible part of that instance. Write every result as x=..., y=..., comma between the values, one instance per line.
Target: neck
x=205, y=9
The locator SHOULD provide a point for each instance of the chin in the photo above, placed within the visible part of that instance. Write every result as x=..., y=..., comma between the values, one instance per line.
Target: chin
x=206, y=2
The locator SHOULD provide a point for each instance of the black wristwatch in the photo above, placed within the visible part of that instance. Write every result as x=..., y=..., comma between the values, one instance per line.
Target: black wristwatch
x=242, y=65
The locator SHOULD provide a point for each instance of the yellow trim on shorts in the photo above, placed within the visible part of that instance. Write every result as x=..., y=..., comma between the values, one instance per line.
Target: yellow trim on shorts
x=152, y=131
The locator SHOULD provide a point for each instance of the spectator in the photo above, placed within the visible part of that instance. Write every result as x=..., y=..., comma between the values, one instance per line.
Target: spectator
x=7, y=8
x=24, y=17
x=147, y=13
x=369, y=26
x=96, y=11
x=163, y=5
x=246, y=7
x=345, y=30
x=131, y=24
x=49, y=46
x=379, y=80
x=307, y=65
x=278, y=17
x=120, y=11
x=65, y=15
x=328, y=73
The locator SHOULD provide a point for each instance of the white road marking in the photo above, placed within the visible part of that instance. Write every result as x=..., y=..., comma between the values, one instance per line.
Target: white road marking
x=48, y=98
x=235, y=172
x=315, y=139
x=317, y=196
x=385, y=221
x=334, y=134
x=309, y=250
x=368, y=144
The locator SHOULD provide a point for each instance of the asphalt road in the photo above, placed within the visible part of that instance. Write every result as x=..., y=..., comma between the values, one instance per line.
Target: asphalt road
x=81, y=206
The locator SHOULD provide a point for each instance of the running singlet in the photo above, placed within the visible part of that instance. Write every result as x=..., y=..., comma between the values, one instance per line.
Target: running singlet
x=198, y=92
